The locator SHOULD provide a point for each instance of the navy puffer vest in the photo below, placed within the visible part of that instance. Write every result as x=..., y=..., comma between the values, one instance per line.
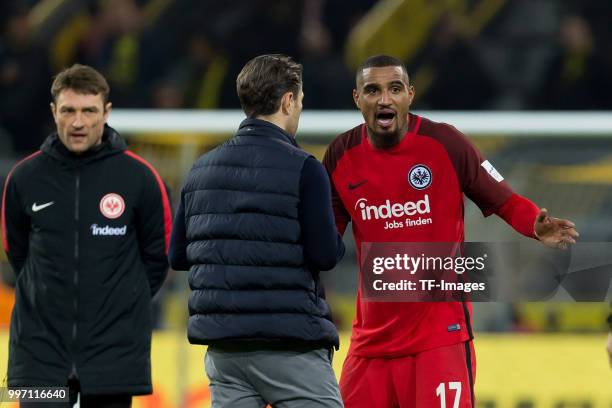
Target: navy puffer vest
x=248, y=279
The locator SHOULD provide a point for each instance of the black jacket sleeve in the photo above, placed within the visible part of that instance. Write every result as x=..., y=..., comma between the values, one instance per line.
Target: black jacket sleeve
x=154, y=223
x=323, y=246
x=177, y=253
x=15, y=226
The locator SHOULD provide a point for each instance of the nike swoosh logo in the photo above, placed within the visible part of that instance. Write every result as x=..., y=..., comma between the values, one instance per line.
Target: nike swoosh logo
x=36, y=208
x=352, y=186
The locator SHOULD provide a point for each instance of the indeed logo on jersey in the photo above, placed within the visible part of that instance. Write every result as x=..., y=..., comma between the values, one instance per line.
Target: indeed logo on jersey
x=396, y=210
x=107, y=230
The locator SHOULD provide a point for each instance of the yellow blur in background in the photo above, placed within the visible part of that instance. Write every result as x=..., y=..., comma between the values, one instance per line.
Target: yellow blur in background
x=513, y=370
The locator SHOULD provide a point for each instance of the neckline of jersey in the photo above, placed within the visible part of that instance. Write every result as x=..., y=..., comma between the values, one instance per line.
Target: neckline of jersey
x=414, y=122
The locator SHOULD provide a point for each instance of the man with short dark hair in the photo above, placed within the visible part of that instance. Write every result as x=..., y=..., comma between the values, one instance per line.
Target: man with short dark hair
x=415, y=354
x=255, y=227
x=86, y=225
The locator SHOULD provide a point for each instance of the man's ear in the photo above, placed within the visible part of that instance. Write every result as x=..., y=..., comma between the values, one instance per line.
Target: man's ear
x=107, y=109
x=411, y=93
x=356, y=98
x=52, y=106
x=286, y=102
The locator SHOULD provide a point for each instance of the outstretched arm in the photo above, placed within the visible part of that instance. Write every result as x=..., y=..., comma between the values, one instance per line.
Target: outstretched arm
x=525, y=217
x=484, y=185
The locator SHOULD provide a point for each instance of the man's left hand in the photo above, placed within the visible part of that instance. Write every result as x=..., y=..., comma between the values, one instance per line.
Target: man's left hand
x=554, y=232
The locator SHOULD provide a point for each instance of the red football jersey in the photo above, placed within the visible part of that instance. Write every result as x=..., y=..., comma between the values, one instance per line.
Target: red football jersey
x=426, y=176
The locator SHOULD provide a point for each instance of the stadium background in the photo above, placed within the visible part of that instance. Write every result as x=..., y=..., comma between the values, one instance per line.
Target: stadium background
x=463, y=55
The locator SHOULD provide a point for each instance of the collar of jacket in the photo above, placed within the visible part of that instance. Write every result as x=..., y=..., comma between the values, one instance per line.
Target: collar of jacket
x=263, y=128
x=112, y=143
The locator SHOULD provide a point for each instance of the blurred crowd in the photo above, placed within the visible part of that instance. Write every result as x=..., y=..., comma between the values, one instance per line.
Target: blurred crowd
x=186, y=54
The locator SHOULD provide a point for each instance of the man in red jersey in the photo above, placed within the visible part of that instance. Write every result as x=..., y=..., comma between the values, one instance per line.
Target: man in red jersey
x=415, y=354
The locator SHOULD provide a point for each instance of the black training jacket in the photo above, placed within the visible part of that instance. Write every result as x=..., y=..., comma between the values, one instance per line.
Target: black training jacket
x=87, y=237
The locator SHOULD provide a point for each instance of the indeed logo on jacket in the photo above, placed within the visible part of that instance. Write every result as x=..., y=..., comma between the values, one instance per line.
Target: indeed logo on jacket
x=107, y=230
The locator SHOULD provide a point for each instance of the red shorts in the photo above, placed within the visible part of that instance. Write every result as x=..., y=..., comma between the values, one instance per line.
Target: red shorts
x=441, y=377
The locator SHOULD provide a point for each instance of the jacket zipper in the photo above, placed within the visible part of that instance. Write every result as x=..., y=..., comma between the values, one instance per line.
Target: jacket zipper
x=75, y=279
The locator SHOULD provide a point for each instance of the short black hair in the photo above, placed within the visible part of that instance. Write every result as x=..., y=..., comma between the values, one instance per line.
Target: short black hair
x=381, y=60
x=264, y=80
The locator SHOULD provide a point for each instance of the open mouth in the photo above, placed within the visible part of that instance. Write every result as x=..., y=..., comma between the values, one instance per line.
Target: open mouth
x=384, y=118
